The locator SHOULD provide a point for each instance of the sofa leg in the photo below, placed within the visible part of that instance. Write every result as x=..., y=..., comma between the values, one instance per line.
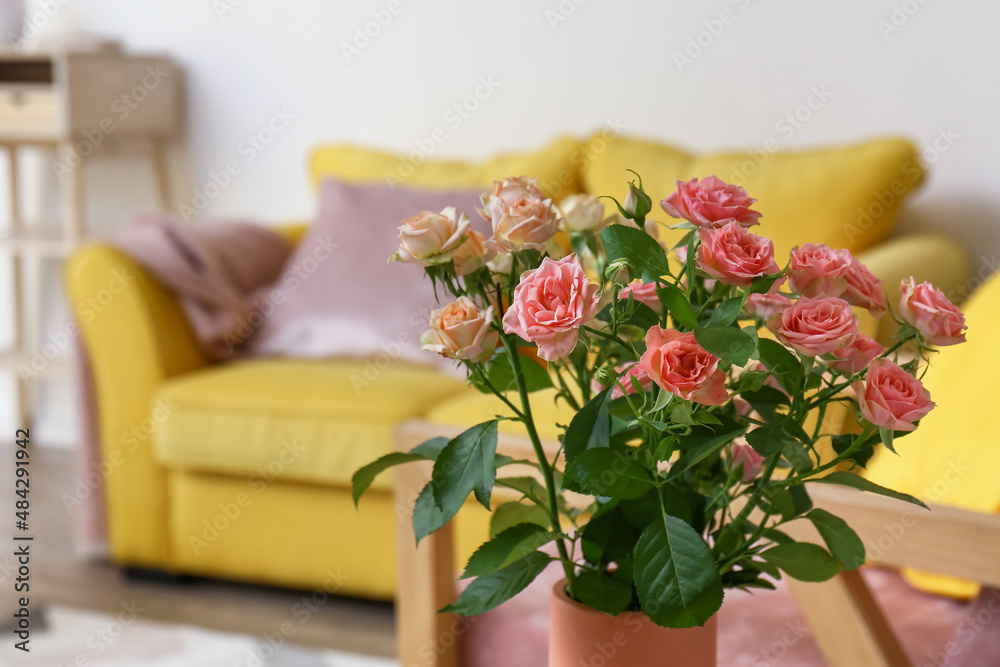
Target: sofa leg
x=153, y=575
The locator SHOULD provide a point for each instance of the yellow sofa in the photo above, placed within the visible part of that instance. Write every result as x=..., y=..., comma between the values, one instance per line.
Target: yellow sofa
x=242, y=470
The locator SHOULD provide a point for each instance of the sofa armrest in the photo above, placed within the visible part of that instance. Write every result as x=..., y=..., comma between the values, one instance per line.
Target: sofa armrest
x=936, y=258
x=135, y=336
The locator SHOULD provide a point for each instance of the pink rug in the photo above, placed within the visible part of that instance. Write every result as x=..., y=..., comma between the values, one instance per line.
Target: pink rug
x=766, y=628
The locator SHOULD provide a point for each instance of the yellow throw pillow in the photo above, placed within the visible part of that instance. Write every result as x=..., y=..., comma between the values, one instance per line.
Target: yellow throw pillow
x=553, y=166
x=847, y=197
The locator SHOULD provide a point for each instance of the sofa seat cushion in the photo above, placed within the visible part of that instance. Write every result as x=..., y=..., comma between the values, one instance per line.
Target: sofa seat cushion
x=310, y=421
x=473, y=407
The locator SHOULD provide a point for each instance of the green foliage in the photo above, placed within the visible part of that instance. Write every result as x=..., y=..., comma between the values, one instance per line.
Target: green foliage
x=671, y=508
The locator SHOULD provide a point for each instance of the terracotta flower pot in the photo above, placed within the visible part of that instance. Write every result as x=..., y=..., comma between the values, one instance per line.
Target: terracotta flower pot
x=583, y=637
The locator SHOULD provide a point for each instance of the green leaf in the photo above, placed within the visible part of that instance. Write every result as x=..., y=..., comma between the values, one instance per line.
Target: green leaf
x=639, y=248
x=529, y=486
x=861, y=455
x=511, y=514
x=363, y=478
x=607, y=472
x=840, y=538
x=727, y=343
x=491, y=590
x=780, y=361
x=762, y=284
x=770, y=438
x=675, y=575
x=726, y=313
x=510, y=545
x=677, y=304
x=427, y=518
x=467, y=463
x=501, y=375
x=602, y=592
x=590, y=428
x=886, y=434
x=608, y=537
x=845, y=478
x=702, y=443
x=803, y=561
x=642, y=316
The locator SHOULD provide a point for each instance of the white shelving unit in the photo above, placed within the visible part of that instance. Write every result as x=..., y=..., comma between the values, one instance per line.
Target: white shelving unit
x=77, y=102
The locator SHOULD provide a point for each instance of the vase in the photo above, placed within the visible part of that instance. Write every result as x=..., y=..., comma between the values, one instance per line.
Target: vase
x=580, y=636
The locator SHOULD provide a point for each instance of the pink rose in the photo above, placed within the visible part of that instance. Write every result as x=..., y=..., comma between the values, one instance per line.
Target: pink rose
x=473, y=254
x=625, y=374
x=431, y=238
x=643, y=293
x=678, y=364
x=461, y=330
x=816, y=326
x=520, y=215
x=735, y=256
x=710, y=203
x=749, y=458
x=938, y=321
x=766, y=306
x=582, y=212
x=550, y=305
x=817, y=270
x=855, y=357
x=864, y=289
x=890, y=397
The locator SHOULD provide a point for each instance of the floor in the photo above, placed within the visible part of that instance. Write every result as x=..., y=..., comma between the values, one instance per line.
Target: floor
x=59, y=577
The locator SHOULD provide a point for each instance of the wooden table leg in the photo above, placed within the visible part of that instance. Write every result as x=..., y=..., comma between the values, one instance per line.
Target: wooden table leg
x=847, y=622
x=426, y=578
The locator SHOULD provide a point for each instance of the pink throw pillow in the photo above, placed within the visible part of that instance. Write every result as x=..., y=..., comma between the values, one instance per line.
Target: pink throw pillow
x=337, y=296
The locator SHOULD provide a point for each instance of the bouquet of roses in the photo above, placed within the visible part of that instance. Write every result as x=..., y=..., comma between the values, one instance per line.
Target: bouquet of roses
x=698, y=375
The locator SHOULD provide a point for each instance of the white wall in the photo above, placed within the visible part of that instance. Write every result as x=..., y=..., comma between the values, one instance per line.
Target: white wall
x=921, y=68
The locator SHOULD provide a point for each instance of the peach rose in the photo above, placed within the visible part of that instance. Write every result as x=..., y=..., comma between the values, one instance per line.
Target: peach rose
x=855, y=357
x=431, y=238
x=710, y=203
x=461, y=330
x=583, y=213
x=864, y=289
x=550, y=305
x=890, y=397
x=937, y=320
x=643, y=293
x=735, y=256
x=473, y=254
x=520, y=215
x=749, y=458
x=678, y=364
x=766, y=306
x=625, y=374
x=816, y=270
x=816, y=326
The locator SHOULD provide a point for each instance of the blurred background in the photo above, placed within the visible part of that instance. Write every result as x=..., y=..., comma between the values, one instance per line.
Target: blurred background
x=705, y=76
x=253, y=86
